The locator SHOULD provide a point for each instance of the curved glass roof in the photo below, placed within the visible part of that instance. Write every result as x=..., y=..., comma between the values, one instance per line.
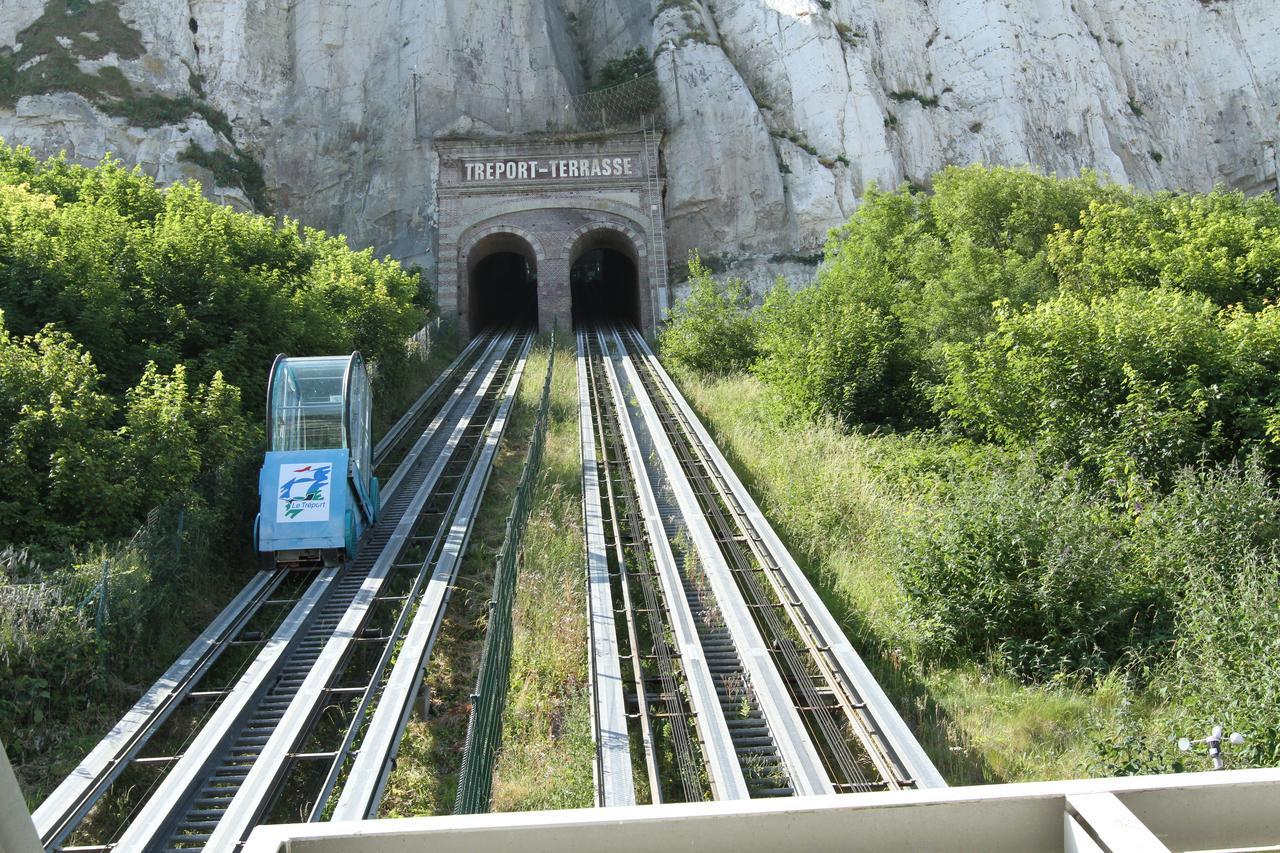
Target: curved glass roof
x=307, y=406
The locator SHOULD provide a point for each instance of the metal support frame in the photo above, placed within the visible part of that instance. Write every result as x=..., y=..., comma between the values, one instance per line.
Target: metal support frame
x=367, y=779
x=250, y=799
x=613, y=776
x=804, y=764
x=58, y=815
x=887, y=723
x=725, y=772
x=154, y=816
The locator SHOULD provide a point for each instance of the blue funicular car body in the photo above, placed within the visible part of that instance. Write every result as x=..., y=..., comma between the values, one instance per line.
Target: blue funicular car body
x=317, y=492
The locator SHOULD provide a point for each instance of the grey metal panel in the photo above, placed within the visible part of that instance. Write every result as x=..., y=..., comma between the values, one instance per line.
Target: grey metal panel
x=804, y=764
x=615, y=785
x=272, y=761
x=363, y=789
x=893, y=728
x=727, y=780
x=153, y=818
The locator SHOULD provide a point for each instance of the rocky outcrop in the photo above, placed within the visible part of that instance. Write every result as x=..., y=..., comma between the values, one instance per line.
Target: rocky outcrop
x=780, y=113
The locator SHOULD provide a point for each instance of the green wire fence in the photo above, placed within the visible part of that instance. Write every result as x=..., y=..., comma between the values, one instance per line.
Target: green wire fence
x=489, y=699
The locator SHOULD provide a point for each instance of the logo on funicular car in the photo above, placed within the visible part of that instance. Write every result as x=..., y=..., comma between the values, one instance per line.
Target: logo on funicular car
x=304, y=492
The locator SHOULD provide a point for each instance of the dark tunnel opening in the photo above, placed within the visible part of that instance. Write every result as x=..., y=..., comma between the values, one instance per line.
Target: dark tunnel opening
x=605, y=288
x=503, y=291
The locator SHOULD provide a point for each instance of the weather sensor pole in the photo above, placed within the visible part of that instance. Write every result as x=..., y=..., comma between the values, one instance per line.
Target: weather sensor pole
x=1214, y=742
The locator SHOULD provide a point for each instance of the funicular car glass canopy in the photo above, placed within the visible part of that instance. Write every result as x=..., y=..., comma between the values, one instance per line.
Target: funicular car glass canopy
x=321, y=403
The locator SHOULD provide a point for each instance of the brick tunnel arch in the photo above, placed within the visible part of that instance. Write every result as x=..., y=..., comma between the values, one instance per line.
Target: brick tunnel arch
x=500, y=285
x=606, y=269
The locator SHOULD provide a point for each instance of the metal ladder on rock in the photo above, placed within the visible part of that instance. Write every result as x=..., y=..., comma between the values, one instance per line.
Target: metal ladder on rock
x=657, y=231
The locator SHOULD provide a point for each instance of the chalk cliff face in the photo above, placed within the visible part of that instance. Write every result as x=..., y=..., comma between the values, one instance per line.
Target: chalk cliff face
x=781, y=113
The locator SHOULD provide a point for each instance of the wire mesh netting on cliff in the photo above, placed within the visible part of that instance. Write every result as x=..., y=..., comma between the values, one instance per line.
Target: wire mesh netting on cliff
x=617, y=108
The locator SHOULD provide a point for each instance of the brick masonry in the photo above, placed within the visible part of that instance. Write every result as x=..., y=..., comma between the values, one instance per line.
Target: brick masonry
x=527, y=197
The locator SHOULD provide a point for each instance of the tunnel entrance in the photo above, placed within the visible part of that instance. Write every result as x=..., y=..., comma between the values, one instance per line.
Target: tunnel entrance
x=502, y=277
x=604, y=281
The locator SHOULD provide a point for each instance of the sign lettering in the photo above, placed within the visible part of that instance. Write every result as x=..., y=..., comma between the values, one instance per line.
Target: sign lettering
x=497, y=171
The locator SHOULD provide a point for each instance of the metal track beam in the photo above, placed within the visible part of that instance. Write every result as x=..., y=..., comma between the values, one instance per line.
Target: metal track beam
x=615, y=785
x=367, y=780
x=260, y=784
x=179, y=782
x=804, y=764
x=727, y=781
x=57, y=816
x=897, y=736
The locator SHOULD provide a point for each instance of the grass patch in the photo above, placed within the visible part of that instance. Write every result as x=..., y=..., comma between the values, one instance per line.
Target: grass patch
x=546, y=754
x=839, y=521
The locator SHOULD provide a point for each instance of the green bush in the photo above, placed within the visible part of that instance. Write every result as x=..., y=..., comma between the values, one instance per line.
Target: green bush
x=711, y=330
x=1030, y=568
x=823, y=355
x=133, y=316
x=1221, y=245
x=1133, y=385
x=909, y=274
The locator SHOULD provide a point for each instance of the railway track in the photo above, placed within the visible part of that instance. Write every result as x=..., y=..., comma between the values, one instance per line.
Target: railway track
x=717, y=671
x=274, y=706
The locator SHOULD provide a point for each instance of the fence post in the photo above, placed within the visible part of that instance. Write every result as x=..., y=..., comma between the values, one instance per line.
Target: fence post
x=100, y=617
x=177, y=536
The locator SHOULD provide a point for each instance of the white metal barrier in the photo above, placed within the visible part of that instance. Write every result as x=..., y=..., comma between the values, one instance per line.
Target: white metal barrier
x=1232, y=810
x=1235, y=810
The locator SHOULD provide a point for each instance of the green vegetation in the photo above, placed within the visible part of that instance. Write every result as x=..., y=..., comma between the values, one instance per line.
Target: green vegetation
x=238, y=170
x=130, y=320
x=546, y=755
x=1050, y=408
x=711, y=329
x=632, y=64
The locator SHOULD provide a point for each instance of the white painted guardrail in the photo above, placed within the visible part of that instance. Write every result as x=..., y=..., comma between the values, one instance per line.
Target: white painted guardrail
x=1229, y=810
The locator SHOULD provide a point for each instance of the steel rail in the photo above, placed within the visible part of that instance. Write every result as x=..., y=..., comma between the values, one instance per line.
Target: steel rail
x=58, y=816
x=367, y=779
x=614, y=782
x=369, y=693
x=398, y=430
x=632, y=555
x=259, y=786
x=185, y=773
x=884, y=731
x=810, y=691
x=486, y=358
x=727, y=780
x=803, y=761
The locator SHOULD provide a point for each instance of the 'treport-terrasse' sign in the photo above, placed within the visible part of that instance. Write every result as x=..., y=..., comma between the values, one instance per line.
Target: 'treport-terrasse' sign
x=502, y=171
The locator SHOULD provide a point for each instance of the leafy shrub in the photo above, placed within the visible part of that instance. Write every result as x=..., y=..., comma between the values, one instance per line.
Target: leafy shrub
x=1133, y=385
x=912, y=273
x=711, y=330
x=133, y=316
x=1029, y=567
x=825, y=355
x=1222, y=245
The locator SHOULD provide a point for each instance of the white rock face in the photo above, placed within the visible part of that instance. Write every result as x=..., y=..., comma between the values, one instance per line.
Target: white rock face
x=781, y=113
